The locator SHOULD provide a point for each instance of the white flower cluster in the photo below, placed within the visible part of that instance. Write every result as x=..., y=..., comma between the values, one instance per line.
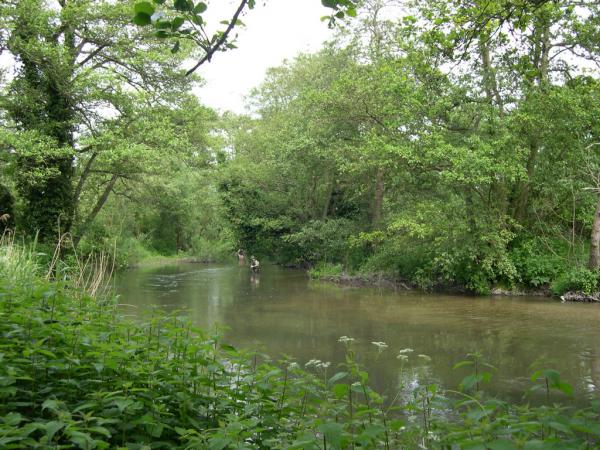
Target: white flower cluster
x=403, y=354
x=380, y=345
x=346, y=340
x=317, y=363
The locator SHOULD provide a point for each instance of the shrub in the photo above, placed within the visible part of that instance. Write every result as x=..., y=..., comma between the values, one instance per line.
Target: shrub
x=324, y=270
x=536, y=264
x=577, y=279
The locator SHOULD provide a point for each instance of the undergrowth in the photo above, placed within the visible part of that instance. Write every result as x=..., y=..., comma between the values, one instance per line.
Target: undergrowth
x=74, y=374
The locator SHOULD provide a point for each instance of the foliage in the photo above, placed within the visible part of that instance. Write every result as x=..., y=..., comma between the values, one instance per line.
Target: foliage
x=446, y=179
x=324, y=270
x=76, y=374
x=538, y=262
x=578, y=279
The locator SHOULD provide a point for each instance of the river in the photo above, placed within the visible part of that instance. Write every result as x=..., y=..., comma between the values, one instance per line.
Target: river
x=284, y=313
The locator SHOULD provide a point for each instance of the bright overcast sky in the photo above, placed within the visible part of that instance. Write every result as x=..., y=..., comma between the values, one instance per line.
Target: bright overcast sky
x=277, y=30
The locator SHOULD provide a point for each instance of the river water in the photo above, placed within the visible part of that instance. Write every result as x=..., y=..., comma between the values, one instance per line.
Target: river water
x=282, y=312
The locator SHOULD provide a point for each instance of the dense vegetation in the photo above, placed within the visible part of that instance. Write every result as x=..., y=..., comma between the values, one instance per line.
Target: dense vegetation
x=448, y=145
x=443, y=144
x=76, y=375
x=430, y=150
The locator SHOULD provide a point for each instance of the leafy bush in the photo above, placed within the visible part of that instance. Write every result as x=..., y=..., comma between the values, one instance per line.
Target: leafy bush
x=536, y=263
x=324, y=270
x=212, y=251
x=577, y=279
x=321, y=240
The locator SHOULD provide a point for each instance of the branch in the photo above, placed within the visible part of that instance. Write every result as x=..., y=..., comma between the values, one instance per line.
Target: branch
x=91, y=55
x=211, y=50
x=94, y=212
x=84, y=176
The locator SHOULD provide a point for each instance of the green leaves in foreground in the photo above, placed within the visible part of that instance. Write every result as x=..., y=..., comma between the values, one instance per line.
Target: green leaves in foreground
x=75, y=375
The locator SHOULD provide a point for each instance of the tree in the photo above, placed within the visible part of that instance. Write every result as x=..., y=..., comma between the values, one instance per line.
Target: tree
x=80, y=68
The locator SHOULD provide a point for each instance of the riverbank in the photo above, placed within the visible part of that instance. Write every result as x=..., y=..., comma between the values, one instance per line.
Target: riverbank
x=76, y=374
x=386, y=282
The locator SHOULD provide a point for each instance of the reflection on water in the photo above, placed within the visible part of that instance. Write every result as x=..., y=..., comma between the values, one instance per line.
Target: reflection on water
x=282, y=312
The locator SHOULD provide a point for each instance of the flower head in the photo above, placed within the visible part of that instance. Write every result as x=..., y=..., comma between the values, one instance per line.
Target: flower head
x=380, y=345
x=346, y=340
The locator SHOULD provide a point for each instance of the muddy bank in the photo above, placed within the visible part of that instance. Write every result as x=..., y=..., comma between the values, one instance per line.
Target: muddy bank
x=381, y=281
x=520, y=292
x=581, y=297
x=367, y=281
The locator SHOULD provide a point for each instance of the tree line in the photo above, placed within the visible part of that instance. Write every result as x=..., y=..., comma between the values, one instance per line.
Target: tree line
x=446, y=144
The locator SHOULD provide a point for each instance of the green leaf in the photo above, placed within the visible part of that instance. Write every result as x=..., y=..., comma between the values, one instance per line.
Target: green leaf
x=142, y=19
x=123, y=403
x=218, y=443
x=460, y=364
x=469, y=381
x=52, y=428
x=83, y=440
x=337, y=377
x=333, y=434
x=12, y=419
x=182, y=5
x=50, y=404
x=177, y=22
x=565, y=388
x=175, y=48
x=552, y=375
x=228, y=347
x=340, y=390
x=144, y=7
x=501, y=444
x=560, y=427
x=155, y=429
x=200, y=8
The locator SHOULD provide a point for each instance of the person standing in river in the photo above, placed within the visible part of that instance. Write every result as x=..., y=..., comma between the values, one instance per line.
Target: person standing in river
x=254, y=264
x=241, y=257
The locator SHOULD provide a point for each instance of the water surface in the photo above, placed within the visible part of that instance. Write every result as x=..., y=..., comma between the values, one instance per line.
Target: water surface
x=284, y=313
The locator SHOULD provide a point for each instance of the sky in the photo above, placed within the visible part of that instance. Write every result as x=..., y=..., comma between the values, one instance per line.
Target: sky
x=275, y=30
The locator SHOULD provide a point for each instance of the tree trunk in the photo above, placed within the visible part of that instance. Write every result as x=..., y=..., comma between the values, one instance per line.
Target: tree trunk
x=523, y=189
x=99, y=204
x=594, y=262
x=379, y=193
x=489, y=77
x=328, y=196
